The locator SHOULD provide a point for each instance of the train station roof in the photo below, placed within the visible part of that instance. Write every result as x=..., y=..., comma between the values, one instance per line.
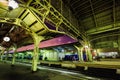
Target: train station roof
x=96, y=21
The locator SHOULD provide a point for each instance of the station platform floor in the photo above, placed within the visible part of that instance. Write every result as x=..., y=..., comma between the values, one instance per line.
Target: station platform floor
x=104, y=64
x=113, y=64
x=22, y=72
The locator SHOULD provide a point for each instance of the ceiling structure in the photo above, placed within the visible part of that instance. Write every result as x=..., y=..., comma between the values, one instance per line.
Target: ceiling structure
x=99, y=19
x=94, y=20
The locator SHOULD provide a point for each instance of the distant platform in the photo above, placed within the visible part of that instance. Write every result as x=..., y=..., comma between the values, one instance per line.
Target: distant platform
x=94, y=64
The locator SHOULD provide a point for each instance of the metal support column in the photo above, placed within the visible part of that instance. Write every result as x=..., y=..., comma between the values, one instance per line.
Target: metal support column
x=1, y=55
x=14, y=57
x=37, y=40
x=6, y=58
x=79, y=49
x=119, y=45
x=88, y=51
x=89, y=55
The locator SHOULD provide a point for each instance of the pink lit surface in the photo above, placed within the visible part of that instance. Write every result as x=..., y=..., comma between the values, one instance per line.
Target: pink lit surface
x=49, y=43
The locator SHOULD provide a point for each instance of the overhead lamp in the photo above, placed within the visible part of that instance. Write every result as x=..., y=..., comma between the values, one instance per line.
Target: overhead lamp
x=6, y=39
x=12, y=4
x=95, y=51
x=86, y=46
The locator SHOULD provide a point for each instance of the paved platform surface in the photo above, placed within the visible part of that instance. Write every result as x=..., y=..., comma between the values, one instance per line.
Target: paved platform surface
x=103, y=64
x=94, y=64
x=23, y=72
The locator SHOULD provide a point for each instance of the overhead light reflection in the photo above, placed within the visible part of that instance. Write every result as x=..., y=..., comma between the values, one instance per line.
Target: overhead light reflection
x=6, y=39
x=13, y=4
x=86, y=46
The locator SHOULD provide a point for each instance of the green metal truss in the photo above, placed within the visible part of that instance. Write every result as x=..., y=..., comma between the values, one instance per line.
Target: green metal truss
x=49, y=14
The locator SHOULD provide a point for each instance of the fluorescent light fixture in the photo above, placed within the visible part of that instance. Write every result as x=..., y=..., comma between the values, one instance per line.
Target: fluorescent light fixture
x=6, y=39
x=86, y=46
x=95, y=51
x=13, y=4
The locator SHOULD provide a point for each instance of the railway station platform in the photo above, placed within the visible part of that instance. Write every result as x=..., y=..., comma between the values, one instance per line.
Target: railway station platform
x=94, y=64
x=21, y=71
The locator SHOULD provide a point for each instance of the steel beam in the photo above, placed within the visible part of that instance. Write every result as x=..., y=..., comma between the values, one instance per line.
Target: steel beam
x=94, y=9
x=28, y=3
x=55, y=17
x=95, y=21
x=81, y=5
x=109, y=35
x=114, y=19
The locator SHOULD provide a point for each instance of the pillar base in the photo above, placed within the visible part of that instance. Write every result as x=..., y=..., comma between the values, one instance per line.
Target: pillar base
x=34, y=71
x=12, y=65
x=86, y=68
x=4, y=62
x=118, y=71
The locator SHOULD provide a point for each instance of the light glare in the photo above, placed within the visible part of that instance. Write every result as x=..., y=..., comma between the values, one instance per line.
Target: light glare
x=13, y=4
x=6, y=39
x=86, y=46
